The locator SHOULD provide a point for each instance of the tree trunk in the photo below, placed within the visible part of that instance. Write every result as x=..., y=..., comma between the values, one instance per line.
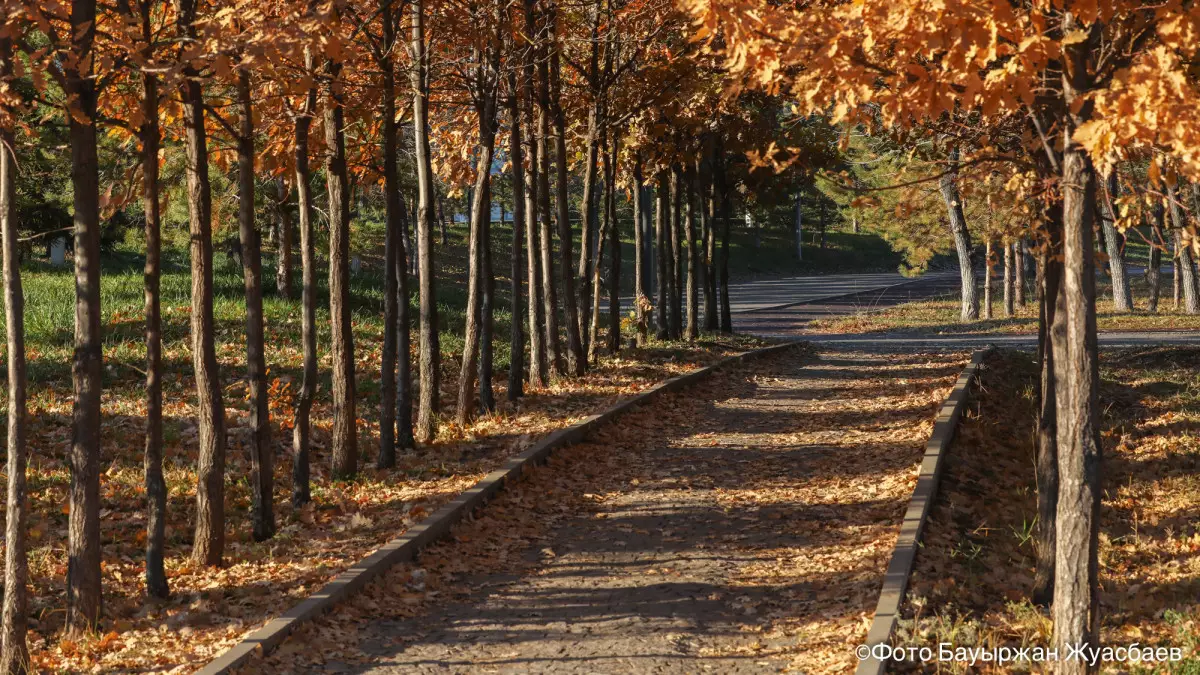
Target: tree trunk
x=689, y=231
x=1009, y=299
x=640, y=261
x=721, y=190
x=538, y=366
x=344, y=436
x=302, y=427
x=709, y=210
x=554, y=354
x=1115, y=247
x=262, y=455
x=989, y=263
x=404, y=405
x=799, y=219
x=1019, y=279
x=14, y=649
x=83, y=542
x=1051, y=336
x=962, y=240
x=283, y=271
x=209, y=545
x=395, y=271
x=476, y=338
x=593, y=331
x=430, y=355
x=589, y=250
x=614, y=243
x=156, y=487
x=1154, y=260
x=676, y=234
x=662, y=215
x=1076, y=375
x=1185, y=269
x=516, y=369
x=576, y=359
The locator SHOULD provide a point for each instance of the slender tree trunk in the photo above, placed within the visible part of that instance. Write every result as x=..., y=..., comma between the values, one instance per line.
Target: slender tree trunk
x=14, y=650
x=475, y=334
x=429, y=348
x=516, y=369
x=988, y=266
x=799, y=220
x=156, y=487
x=676, y=273
x=344, y=436
x=1051, y=336
x=83, y=541
x=597, y=288
x=614, y=243
x=689, y=232
x=640, y=261
x=589, y=248
x=209, y=545
x=576, y=359
x=283, y=272
x=538, y=366
x=962, y=240
x=262, y=455
x=1009, y=283
x=708, y=241
x=662, y=215
x=1154, y=260
x=394, y=271
x=1184, y=266
x=1076, y=375
x=1019, y=279
x=1114, y=245
x=404, y=404
x=302, y=427
x=546, y=240
x=721, y=189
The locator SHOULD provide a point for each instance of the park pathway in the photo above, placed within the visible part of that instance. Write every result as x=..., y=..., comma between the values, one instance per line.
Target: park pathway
x=740, y=526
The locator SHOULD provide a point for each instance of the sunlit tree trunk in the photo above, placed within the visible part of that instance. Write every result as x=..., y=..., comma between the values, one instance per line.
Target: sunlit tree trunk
x=1154, y=259
x=675, y=235
x=639, y=253
x=209, y=544
x=693, y=262
x=262, y=455
x=14, y=649
x=554, y=353
x=429, y=349
x=1115, y=247
x=1019, y=280
x=156, y=487
x=988, y=265
x=538, y=366
x=721, y=189
x=1009, y=300
x=344, y=436
x=1076, y=376
x=962, y=239
x=1184, y=265
x=302, y=425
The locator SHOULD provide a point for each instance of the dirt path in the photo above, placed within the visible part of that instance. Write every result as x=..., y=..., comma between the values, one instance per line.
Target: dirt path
x=742, y=526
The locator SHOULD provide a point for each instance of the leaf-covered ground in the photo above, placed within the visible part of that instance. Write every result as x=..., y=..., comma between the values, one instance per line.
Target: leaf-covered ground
x=974, y=574
x=743, y=525
x=212, y=608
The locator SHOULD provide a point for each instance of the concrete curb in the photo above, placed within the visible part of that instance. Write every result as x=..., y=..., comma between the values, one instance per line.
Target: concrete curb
x=895, y=581
x=406, y=547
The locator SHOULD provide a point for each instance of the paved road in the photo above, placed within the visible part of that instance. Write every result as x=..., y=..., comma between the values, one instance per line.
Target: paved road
x=776, y=293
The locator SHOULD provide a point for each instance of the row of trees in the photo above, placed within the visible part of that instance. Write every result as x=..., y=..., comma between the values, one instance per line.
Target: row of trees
x=1051, y=97
x=404, y=98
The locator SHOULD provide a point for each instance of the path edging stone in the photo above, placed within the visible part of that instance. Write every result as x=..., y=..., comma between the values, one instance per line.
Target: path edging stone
x=895, y=580
x=436, y=526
